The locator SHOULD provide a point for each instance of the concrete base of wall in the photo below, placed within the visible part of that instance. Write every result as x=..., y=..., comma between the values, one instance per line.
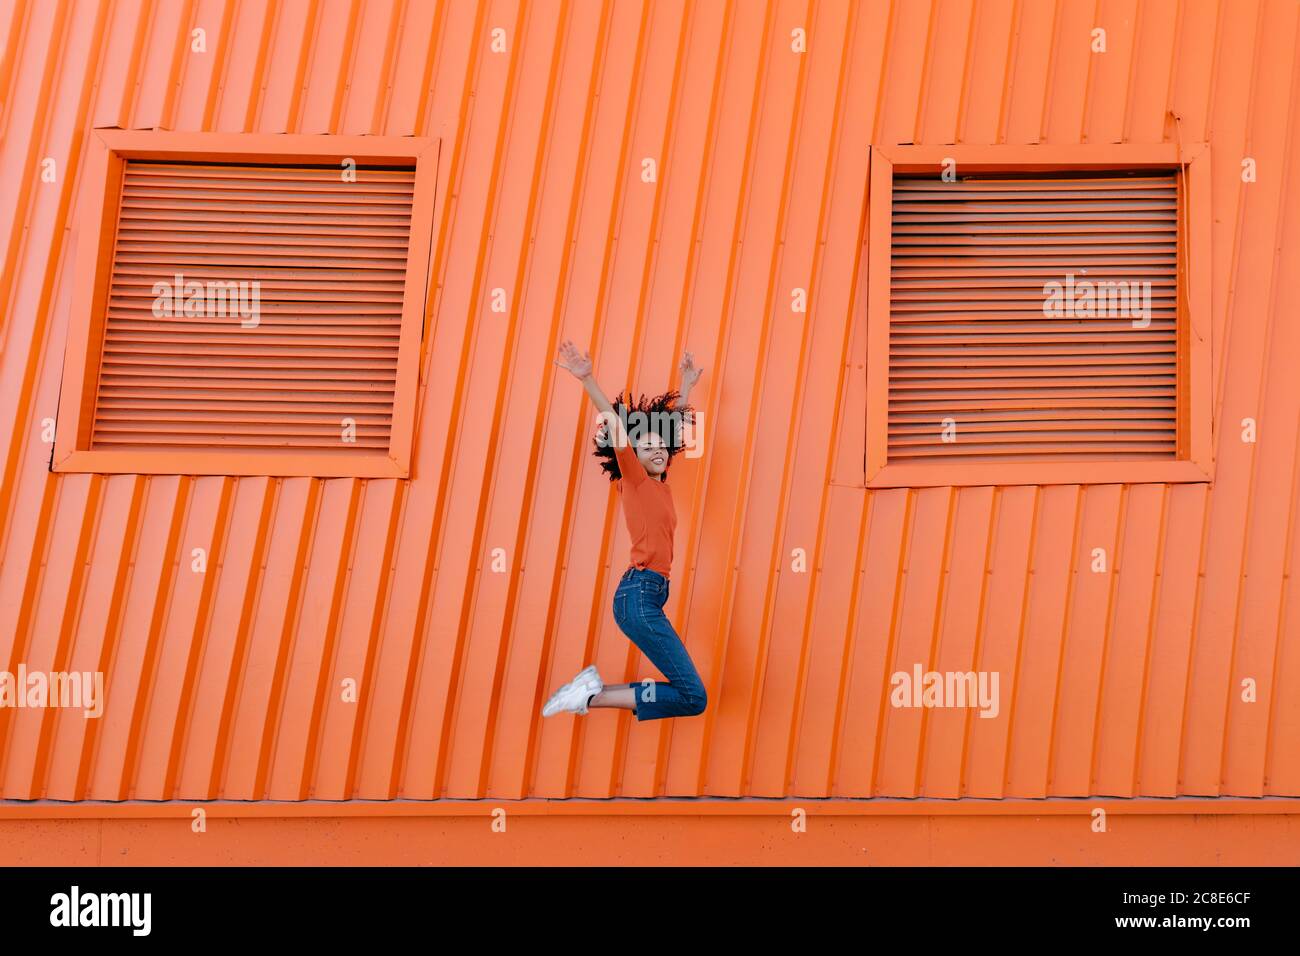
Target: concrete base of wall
x=1181, y=832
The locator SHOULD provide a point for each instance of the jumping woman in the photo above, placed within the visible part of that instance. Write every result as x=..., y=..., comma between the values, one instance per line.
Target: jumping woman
x=638, y=464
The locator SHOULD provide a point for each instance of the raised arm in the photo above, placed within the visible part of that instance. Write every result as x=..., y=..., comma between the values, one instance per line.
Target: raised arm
x=579, y=365
x=690, y=375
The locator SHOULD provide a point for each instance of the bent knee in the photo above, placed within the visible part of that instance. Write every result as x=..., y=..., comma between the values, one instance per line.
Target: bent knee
x=697, y=699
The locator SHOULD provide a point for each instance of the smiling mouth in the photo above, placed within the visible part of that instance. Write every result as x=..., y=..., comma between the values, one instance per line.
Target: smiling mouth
x=658, y=459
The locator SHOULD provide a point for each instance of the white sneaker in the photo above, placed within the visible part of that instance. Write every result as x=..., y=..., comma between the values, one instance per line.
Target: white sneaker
x=572, y=698
x=586, y=673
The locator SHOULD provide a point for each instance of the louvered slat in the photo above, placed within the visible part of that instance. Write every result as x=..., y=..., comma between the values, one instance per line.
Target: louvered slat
x=329, y=258
x=969, y=340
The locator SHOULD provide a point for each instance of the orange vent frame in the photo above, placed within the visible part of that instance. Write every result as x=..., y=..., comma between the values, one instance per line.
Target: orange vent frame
x=1192, y=446
x=104, y=426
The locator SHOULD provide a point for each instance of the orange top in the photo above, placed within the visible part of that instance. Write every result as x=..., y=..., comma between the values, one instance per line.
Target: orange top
x=648, y=509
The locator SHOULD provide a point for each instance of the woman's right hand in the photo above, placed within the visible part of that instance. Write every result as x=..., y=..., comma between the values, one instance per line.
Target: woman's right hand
x=578, y=364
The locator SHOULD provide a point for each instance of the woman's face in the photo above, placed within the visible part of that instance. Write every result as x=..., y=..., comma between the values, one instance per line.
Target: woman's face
x=653, y=453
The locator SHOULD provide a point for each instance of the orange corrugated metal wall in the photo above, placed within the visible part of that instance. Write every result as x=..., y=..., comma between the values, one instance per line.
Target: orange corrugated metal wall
x=225, y=684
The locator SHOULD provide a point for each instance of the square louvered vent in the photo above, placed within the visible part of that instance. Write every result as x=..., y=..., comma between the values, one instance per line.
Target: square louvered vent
x=254, y=307
x=1033, y=318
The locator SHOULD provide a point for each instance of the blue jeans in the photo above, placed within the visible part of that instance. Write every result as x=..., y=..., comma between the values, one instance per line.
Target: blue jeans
x=639, y=611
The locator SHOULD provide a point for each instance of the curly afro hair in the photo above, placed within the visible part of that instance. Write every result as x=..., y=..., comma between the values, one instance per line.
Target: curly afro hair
x=660, y=414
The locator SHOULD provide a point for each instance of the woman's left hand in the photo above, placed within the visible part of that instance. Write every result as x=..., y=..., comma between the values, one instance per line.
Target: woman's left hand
x=690, y=374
